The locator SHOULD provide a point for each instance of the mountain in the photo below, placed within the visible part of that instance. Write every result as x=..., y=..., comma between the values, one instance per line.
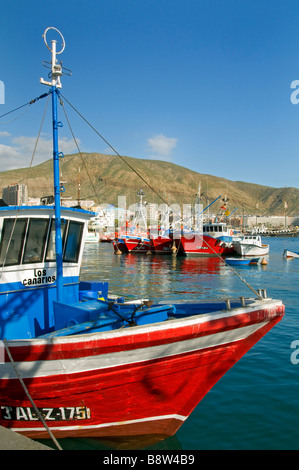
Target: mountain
x=105, y=177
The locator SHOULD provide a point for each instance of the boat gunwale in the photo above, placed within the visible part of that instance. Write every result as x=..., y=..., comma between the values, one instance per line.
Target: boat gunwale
x=171, y=323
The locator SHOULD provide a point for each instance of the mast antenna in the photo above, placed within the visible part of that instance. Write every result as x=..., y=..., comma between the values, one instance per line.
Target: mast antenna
x=56, y=69
x=55, y=84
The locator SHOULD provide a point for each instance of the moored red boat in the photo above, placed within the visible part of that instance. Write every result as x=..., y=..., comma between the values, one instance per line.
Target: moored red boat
x=203, y=245
x=131, y=244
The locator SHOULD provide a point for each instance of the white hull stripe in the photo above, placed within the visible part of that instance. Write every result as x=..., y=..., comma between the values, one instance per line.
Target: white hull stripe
x=30, y=369
x=104, y=425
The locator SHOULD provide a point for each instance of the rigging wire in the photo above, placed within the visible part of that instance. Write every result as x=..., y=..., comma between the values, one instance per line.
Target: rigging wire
x=84, y=164
x=39, y=132
x=44, y=95
x=146, y=182
x=19, y=207
x=14, y=119
x=116, y=152
x=26, y=104
x=76, y=143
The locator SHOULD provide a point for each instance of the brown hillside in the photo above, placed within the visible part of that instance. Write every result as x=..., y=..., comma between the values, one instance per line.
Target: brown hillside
x=105, y=177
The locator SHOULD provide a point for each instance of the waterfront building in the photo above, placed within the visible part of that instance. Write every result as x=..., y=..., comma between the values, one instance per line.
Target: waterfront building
x=15, y=194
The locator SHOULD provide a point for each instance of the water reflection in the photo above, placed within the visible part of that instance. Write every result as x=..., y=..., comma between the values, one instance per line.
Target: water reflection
x=93, y=443
x=157, y=277
x=213, y=423
x=165, y=277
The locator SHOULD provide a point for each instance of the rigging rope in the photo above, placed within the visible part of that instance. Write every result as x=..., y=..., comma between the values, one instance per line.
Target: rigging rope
x=44, y=95
x=154, y=191
x=40, y=416
x=39, y=132
x=26, y=104
x=76, y=143
x=116, y=152
x=19, y=207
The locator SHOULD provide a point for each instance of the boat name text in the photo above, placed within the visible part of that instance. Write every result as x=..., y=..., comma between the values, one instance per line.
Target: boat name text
x=40, y=276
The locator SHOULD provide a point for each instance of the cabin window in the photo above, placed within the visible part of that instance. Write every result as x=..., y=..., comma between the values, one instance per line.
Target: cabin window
x=13, y=233
x=51, y=250
x=73, y=242
x=71, y=233
x=35, y=240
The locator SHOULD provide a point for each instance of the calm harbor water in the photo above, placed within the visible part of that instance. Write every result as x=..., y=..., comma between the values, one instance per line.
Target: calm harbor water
x=256, y=404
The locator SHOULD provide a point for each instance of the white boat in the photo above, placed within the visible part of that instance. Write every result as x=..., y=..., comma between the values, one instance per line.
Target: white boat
x=92, y=237
x=251, y=245
x=290, y=254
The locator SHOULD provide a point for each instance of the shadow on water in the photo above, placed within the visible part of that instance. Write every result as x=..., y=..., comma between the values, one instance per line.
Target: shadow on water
x=92, y=443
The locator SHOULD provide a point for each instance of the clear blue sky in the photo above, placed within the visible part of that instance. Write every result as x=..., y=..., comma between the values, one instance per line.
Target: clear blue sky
x=205, y=84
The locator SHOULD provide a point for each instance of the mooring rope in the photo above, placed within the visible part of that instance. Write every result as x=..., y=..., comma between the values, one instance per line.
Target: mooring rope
x=29, y=396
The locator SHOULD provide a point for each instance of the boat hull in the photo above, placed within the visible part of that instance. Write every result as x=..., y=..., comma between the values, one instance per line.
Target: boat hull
x=290, y=254
x=202, y=245
x=162, y=245
x=132, y=245
x=139, y=381
x=243, y=261
x=251, y=250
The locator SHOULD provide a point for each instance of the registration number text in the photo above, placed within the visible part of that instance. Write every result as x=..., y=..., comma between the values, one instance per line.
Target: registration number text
x=24, y=413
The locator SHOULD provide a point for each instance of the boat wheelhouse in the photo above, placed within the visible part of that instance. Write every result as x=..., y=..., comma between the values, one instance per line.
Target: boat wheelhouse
x=28, y=266
x=251, y=245
x=218, y=230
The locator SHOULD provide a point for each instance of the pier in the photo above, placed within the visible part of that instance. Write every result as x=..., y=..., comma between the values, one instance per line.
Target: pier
x=10, y=440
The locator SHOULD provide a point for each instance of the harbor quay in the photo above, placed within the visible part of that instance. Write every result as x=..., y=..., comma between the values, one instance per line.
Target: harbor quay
x=10, y=440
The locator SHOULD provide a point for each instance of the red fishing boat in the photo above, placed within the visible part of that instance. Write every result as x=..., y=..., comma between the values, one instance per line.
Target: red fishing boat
x=76, y=362
x=203, y=245
x=134, y=238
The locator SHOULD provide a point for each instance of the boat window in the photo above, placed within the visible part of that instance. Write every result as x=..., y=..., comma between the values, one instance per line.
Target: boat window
x=73, y=242
x=35, y=240
x=13, y=233
x=51, y=251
